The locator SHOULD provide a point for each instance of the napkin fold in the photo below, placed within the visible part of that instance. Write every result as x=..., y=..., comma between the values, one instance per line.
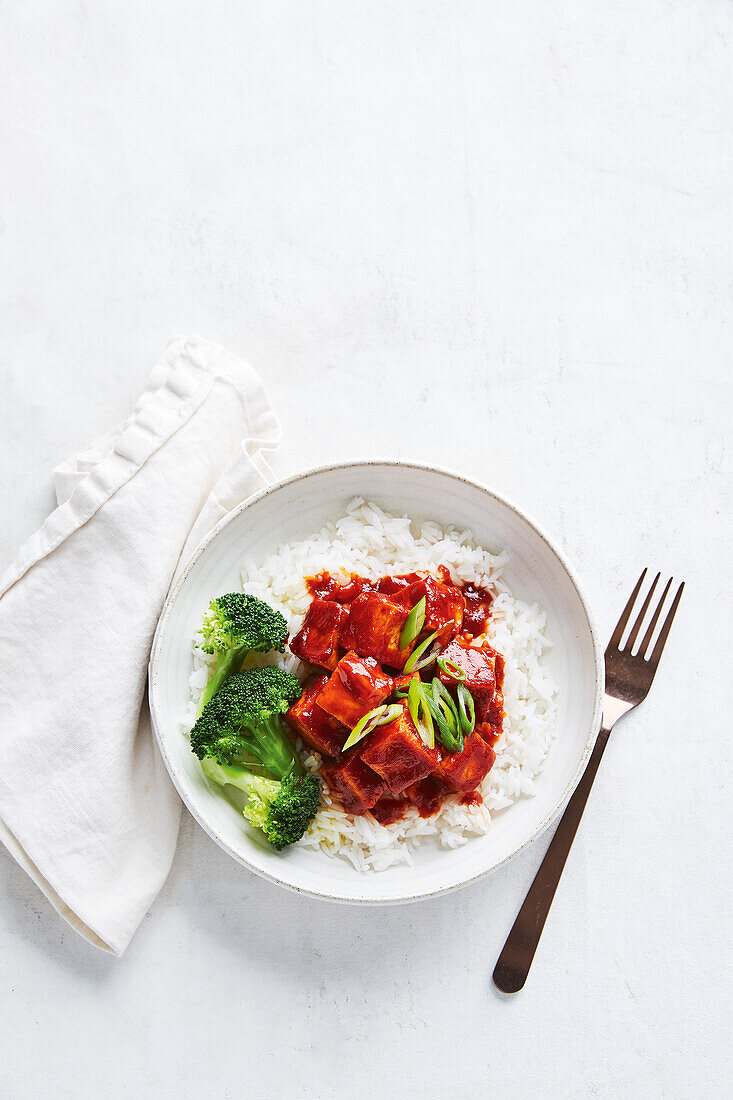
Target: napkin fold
x=86, y=805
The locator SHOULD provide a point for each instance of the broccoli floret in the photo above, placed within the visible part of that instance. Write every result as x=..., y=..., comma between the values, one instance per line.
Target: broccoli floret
x=241, y=728
x=289, y=813
x=233, y=626
x=283, y=810
x=242, y=722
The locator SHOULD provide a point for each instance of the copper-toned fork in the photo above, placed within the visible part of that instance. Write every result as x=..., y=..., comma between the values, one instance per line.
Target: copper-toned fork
x=629, y=676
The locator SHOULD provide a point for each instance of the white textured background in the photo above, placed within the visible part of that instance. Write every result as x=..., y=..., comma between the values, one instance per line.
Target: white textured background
x=492, y=236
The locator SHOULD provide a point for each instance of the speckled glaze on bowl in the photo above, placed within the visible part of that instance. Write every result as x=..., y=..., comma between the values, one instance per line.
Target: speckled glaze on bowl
x=299, y=506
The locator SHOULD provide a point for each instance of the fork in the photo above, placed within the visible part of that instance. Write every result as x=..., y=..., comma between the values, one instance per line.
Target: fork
x=629, y=676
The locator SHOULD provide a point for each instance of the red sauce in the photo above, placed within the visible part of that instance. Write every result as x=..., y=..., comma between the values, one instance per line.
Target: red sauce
x=389, y=809
x=477, y=611
x=427, y=796
x=326, y=587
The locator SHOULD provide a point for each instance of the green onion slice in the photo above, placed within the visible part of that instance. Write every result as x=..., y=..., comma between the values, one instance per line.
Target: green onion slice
x=380, y=716
x=450, y=668
x=418, y=658
x=466, y=710
x=419, y=708
x=446, y=717
x=413, y=624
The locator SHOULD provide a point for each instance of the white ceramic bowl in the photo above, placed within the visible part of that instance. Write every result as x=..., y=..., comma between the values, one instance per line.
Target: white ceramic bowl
x=299, y=506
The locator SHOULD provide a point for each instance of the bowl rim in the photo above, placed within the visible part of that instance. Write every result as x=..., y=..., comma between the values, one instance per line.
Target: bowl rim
x=174, y=592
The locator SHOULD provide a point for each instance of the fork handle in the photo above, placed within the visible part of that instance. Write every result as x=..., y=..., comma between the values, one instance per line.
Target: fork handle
x=513, y=964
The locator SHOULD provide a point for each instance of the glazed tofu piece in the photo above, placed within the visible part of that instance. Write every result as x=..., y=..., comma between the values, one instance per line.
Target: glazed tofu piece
x=397, y=753
x=443, y=606
x=478, y=664
x=354, y=784
x=482, y=701
x=317, y=639
x=319, y=730
x=398, y=583
x=489, y=707
x=463, y=771
x=490, y=719
x=374, y=626
x=489, y=732
x=356, y=686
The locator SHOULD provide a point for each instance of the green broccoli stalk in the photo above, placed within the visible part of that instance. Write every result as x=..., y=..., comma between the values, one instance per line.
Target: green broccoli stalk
x=283, y=811
x=233, y=626
x=241, y=728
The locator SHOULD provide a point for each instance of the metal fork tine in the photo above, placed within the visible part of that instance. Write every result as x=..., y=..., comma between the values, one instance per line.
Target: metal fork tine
x=626, y=613
x=652, y=625
x=657, y=653
x=641, y=616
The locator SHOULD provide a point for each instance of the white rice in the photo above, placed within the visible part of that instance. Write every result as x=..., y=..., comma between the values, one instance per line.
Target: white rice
x=373, y=543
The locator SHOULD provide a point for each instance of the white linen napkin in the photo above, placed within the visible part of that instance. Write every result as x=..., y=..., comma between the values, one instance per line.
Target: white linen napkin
x=86, y=806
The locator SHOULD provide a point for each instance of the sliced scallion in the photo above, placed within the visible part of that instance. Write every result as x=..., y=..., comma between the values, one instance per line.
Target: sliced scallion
x=466, y=710
x=420, y=712
x=446, y=717
x=380, y=716
x=450, y=668
x=419, y=658
x=413, y=624
x=413, y=698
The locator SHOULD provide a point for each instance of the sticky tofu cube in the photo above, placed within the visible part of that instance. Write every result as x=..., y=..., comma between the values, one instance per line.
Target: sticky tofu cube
x=398, y=753
x=356, y=686
x=489, y=707
x=463, y=771
x=374, y=627
x=491, y=719
x=443, y=605
x=397, y=583
x=319, y=730
x=482, y=701
x=354, y=784
x=477, y=663
x=317, y=639
x=488, y=732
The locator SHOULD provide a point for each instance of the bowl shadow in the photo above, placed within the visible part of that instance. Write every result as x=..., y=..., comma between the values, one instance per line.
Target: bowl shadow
x=251, y=920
